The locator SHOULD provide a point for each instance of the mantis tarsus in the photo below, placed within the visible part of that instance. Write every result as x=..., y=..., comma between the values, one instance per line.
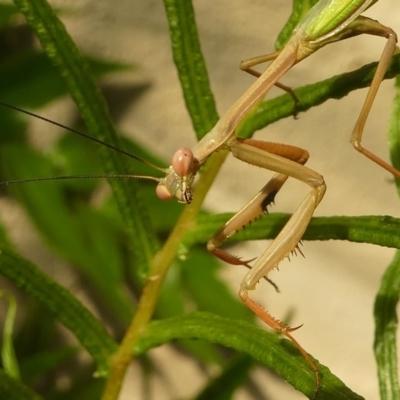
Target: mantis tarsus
x=327, y=22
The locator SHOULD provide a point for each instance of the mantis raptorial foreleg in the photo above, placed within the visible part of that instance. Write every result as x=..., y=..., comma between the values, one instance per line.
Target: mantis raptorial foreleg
x=287, y=161
x=258, y=205
x=289, y=237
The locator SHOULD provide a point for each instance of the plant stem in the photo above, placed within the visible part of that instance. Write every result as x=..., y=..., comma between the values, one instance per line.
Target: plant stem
x=151, y=290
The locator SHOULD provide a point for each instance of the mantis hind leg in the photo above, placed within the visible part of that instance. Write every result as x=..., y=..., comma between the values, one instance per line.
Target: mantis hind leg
x=369, y=26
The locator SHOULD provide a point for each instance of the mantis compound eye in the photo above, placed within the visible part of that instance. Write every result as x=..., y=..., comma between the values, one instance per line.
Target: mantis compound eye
x=182, y=162
x=163, y=193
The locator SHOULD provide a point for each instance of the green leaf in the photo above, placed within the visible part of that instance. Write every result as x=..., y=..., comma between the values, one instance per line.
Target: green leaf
x=232, y=377
x=86, y=239
x=387, y=299
x=379, y=230
x=9, y=360
x=265, y=347
x=87, y=329
x=190, y=64
x=41, y=78
x=394, y=131
x=73, y=67
x=386, y=326
x=39, y=364
x=11, y=389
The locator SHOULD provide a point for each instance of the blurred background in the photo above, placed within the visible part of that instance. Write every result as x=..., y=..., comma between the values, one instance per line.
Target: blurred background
x=332, y=289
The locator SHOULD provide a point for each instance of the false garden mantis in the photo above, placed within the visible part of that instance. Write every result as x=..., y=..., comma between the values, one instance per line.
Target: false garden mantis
x=285, y=160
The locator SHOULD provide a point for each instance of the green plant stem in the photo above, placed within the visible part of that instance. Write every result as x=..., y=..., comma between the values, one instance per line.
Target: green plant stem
x=151, y=290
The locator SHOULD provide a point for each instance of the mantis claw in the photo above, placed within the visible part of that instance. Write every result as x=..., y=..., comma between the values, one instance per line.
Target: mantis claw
x=291, y=329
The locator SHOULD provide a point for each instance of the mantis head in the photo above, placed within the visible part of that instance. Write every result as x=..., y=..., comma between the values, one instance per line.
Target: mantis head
x=179, y=177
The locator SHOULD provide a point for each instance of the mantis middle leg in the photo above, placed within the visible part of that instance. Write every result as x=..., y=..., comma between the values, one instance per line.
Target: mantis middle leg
x=246, y=66
x=361, y=25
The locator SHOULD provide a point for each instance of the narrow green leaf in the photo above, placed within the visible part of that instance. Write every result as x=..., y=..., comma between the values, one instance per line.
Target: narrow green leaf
x=41, y=79
x=386, y=326
x=39, y=364
x=87, y=329
x=394, y=131
x=190, y=64
x=387, y=299
x=11, y=389
x=75, y=70
x=232, y=377
x=267, y=348
x=8, y=357
x=86, y=239
x=173, y=301
x=379, y=230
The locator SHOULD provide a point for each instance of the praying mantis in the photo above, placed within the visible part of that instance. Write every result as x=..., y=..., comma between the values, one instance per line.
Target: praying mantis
x=328, y=21
x=287, y=161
